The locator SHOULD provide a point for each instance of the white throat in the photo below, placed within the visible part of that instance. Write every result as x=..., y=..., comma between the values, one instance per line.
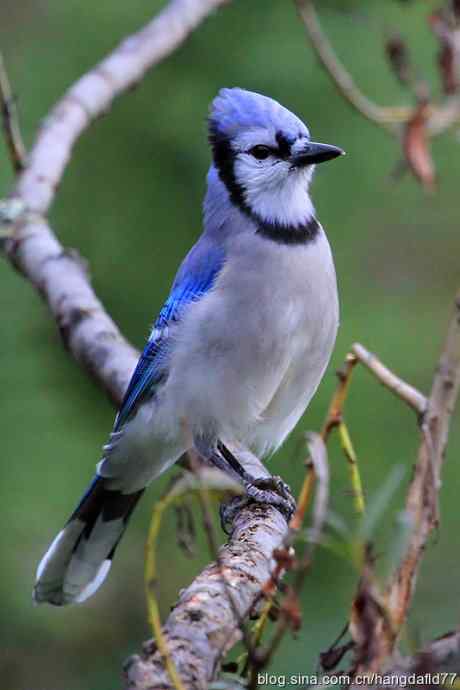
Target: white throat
x=279, y=197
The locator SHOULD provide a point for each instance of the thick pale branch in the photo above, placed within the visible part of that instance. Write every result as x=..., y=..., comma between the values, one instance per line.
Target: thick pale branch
x=204, y=624
x=59, y=276
x=93, y=94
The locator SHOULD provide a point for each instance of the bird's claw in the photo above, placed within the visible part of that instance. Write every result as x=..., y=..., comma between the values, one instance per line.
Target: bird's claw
x=274, y=492
x=266, y=490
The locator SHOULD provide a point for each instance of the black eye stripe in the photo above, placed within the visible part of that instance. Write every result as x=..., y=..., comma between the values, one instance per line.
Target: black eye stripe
x=284, y=145
x=262, y=151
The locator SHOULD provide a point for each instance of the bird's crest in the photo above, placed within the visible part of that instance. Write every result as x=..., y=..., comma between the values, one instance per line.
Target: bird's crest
x=234, y=110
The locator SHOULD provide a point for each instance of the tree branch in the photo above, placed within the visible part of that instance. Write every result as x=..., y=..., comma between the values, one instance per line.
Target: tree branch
x=59, y=275
x=11, y=127
x=204, y=624
x=93, y=94
x=442, y=654
x=422, y=497
x=396, y=385
x=387, y=118
x=439, y=117
x=380, y=613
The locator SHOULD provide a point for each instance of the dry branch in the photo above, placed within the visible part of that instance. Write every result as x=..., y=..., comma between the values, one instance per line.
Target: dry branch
x=379, y=613
x=440, y=118
x=11, y=127
x=400, y=388
x=443, y=654
x=422, y=498
x=387, y=118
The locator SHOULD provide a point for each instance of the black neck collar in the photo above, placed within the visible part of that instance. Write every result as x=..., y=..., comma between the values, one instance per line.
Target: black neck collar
x=283, y=234
x=288, y=234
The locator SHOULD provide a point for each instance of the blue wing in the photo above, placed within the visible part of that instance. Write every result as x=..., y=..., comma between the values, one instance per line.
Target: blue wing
x=194, y=279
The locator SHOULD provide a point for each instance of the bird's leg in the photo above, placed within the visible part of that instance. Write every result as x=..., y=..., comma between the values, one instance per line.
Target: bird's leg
x=268, y=490
x=216, y=454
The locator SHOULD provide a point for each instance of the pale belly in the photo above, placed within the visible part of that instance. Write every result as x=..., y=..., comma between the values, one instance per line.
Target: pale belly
x=260, y=349
x=309, y=359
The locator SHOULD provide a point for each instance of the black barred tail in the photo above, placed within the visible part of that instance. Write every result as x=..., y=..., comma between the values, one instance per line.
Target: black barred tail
x=78, y=560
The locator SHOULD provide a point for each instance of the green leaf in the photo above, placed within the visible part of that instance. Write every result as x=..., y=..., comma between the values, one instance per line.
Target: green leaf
x=379, y=503
x=402, y=531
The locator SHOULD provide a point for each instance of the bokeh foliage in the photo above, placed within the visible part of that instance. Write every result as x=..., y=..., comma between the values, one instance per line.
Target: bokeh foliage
x=130, y=202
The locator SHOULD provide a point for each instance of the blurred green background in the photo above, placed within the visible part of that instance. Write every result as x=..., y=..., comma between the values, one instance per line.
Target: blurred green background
x=131, y=203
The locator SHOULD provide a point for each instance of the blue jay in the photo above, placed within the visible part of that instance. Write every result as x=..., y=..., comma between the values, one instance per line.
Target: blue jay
x=239, y=347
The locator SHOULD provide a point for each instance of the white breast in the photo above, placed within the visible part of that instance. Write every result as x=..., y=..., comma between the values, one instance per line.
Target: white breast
x=306, y=306
x=252, y=352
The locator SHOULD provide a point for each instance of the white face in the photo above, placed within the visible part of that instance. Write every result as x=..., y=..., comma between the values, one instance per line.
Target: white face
x=274, y=189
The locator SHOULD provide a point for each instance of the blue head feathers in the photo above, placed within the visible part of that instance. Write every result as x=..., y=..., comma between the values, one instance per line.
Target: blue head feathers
x=236, y=110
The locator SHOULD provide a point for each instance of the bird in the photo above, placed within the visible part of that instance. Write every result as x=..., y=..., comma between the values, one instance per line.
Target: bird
x=239, y=347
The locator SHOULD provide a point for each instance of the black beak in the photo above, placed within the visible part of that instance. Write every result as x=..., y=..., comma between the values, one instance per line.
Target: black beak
x=313, y=153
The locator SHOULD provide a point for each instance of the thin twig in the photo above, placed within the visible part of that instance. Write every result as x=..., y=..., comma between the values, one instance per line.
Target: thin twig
x=333, y=419
x=396, y=385
x=440, y=118
x=11, y=128
x=442, y=653
x=355, y=477
x=388, y=118
x=444, y=117
x=378, y=619
x=150, y=580
x=318, y=454
x=422, y=497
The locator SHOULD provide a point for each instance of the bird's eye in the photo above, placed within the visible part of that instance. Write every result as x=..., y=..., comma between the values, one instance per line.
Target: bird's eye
x=260, y=152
